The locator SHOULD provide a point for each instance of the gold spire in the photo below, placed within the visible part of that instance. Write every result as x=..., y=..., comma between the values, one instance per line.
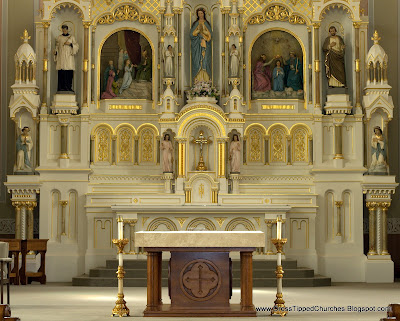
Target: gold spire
x=376, y=37
x=25, y=36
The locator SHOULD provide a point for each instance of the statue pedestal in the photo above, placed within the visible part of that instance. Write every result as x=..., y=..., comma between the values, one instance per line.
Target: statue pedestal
x=210, y=100
x=167, y=177
x=338, y=104
x=235, y=183
x=64, y=104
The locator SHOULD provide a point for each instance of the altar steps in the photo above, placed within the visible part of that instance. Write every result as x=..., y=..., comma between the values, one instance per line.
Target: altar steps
x=263, y=275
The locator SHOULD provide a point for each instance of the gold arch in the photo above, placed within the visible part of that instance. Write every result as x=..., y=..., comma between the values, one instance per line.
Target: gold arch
x=278, y=125
x=210, y=226
x=140, y=128
x=94, y=129
x=125, y=125
x=154, y=224
x=255, y=125
x=334, y=5
x=240, y=221
x=99, y=60
x=198, y=116
x=305, y=79
x=309, y=131
x=383, y=109
x=69, y=5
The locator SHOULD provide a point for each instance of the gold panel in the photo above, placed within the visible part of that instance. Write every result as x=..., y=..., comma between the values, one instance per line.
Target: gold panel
x=154, y=224
x=210, y=226
x=278, y=145
x=125, y=107
x=278, y=107
x=240, y=221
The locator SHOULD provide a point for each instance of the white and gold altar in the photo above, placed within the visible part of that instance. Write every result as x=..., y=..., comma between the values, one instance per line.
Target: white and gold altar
x=254, y=129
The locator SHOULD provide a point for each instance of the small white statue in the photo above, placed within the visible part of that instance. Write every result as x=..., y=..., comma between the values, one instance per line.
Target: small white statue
x=169, y=62
x=379, y=153
x=234, y=154
x=234, y=61
x=167, y=157
x=24, y=148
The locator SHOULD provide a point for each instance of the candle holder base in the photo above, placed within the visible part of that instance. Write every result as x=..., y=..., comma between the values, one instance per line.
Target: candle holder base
x=120, y=308
x=279, y=308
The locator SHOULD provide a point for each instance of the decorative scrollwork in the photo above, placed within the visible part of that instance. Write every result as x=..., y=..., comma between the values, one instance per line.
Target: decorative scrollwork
x=296, y=20
x=300, y=145
x=277, y=13
x=274, y=13
x=257, y=20
x=103, y=145
x=126, y=12
x=278, y=145
x=125, y=145
x=255, y=145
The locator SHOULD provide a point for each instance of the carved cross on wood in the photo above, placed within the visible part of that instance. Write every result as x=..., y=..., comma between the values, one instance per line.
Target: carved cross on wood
x=200, y=280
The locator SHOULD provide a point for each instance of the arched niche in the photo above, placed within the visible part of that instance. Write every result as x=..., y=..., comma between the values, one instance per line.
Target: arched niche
x=263, y=59
x=131, y=72
x=72, y=17
x=339, y=17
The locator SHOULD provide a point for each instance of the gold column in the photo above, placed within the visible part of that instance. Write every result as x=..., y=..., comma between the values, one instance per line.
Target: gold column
x=46, y=25
x=372, y=227
x=64, y=141
x=266, y=146
x=17, y=206
x=338, y=142
x=63, y=224
x=92, y=149
x=158, y=155
x=182, y=157
x=30, y=206
x=136, y=150
x=85, y=69
x=188, y=196
x=339, y=218
x=385, y=207
x=310, y=150
x=113, y=149
x=317, y=65
x=221, y=158
x=357, y=63
x=214, y=196
x=289, y=149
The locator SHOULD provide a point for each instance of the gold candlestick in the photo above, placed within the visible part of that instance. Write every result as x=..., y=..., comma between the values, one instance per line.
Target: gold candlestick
x=279, y=308
x=120, y=308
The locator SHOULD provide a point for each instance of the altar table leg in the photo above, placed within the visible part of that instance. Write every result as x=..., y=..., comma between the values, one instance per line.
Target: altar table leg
x=153, y=282
x=246, y=280
x=159, y=254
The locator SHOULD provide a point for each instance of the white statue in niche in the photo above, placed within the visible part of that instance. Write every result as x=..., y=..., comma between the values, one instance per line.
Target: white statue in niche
x=24, y=148
x=169, y=61
x=234, y=61
x=64, y=56
x=168, y=150
x=379, y=153
x=234, y=154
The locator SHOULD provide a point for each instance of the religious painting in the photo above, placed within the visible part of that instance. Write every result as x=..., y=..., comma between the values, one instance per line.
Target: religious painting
x=126, y=66
x=277, y=67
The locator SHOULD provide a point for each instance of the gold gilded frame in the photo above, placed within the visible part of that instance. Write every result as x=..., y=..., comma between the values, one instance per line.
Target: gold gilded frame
x=249, y=71
x=154, y=65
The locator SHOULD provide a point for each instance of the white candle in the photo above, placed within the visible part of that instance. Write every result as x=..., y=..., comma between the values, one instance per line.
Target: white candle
x=279, y=259
x=279, y=227
x=120, y=229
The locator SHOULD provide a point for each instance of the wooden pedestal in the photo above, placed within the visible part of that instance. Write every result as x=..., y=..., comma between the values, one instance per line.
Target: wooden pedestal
x=199, y=283
x=40, y=246
x=14, y=248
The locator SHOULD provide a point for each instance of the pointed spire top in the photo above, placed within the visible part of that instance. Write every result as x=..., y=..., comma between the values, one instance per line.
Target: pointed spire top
x=25, y=37
x=376, y=38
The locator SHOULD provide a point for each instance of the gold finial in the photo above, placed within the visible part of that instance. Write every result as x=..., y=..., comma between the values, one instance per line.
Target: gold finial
x=25, y=37
x=376, y=37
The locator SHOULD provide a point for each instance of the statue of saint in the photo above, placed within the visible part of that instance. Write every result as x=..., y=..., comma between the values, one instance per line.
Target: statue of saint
x=167, y=157
x=262, y=76
x=24, y=148
x=169, y=62
x=200, y=35
x=64, y=56
x=234, y=61
x=127, y=80
x=234, y=154
x=334, y=59
x=294, y=72
x=143, y=71
x=278, y=76
x=379, y=153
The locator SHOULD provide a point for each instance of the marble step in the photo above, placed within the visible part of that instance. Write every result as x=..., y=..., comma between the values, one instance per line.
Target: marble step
x=257, y=264
x=257, y=282
x=257, y=273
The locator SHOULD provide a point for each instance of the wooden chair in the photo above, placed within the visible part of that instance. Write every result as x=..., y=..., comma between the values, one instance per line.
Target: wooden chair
x=14, y=251
x=5, y=313
x=5, y=278
x=39, y=245
x=394, y=311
